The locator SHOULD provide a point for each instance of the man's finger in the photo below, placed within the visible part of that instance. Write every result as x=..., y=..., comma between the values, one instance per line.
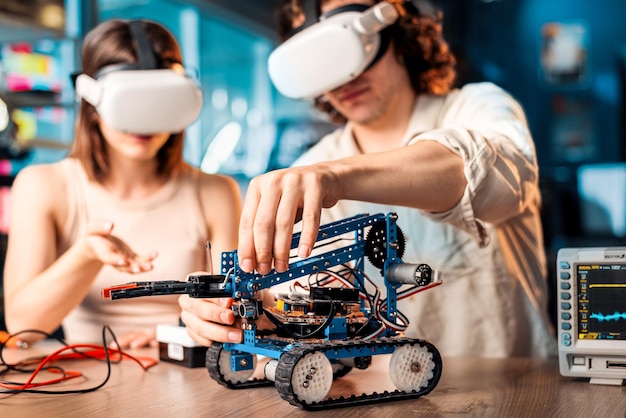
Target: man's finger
x=311, y=214
x=245, y=251
x=285, y=218
x=264, y=227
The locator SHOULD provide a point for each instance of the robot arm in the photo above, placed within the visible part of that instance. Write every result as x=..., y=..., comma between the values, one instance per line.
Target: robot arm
x=384, y=249
x=196, y=286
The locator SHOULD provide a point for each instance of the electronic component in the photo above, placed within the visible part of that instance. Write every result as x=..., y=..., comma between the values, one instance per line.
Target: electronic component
x=591, y=289
x=176, y=346
x=305, y=316
x=326, y=327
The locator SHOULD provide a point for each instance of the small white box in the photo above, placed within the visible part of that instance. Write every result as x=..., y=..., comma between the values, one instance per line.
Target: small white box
x=176, y=346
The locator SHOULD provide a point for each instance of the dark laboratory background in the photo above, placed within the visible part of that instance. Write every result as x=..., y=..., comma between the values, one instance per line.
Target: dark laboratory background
x=564, y=60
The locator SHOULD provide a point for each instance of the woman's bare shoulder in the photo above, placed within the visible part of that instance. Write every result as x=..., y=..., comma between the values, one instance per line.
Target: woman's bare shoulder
x=223, y=190
x=220, y=184
x=44, y=180
x=44, y=174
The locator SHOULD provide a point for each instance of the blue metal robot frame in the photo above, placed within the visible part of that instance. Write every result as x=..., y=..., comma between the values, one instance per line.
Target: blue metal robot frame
x=244, y=285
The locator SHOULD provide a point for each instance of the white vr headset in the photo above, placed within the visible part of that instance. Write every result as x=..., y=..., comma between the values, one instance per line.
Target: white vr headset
x=142, y=101
x=142, y=98
x=331, y=52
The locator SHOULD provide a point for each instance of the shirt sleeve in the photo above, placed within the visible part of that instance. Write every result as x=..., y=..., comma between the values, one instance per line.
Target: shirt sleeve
x=486, y=127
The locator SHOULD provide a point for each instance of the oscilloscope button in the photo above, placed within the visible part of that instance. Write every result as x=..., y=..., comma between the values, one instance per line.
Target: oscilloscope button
x=565, y=275
x=566, y=343
x=565, y=285
x=566, y=305
x=565, y=296
x=564, y=265
x=566, y=316
x=566, y=336
x=566, y=326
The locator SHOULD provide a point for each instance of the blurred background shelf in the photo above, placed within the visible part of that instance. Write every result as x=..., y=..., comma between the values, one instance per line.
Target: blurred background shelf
x=23, y=20
x=37, y=98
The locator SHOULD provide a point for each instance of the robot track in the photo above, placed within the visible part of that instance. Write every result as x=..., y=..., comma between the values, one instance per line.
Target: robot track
x=415, y=369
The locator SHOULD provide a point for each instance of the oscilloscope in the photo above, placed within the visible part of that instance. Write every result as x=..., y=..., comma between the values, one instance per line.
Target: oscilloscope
x=591, y=292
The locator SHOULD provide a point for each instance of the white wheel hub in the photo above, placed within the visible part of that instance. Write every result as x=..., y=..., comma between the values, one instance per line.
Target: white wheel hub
x=312, y=377
x=411, y=367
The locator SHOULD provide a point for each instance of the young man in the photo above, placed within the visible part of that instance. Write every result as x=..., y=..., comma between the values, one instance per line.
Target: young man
x=457, y=165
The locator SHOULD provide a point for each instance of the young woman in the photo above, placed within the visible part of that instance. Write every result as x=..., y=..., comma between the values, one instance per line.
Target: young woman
x=120, y=204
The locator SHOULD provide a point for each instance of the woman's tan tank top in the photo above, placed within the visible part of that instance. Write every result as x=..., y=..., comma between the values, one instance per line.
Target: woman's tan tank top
x=170, y=222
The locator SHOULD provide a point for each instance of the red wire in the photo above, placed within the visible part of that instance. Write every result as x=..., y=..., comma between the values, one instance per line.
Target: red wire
x=96, y=352
x=67, y=375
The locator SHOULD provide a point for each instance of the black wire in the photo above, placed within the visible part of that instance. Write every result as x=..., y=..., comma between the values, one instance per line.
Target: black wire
x=59, y=369
x=325, y=244
x=370, y=297
x=352, y=274
x=14, y=367
x=107, y=360
x=279, y=325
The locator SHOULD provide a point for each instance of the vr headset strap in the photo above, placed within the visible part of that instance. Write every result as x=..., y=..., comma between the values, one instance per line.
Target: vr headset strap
x=147, y=60
x=312, y=13
x=422, y=8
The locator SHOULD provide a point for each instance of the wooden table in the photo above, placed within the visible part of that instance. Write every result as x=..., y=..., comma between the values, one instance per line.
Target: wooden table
x=472, y=387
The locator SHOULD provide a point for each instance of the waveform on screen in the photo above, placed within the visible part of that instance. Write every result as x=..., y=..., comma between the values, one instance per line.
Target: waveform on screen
x=609, y=317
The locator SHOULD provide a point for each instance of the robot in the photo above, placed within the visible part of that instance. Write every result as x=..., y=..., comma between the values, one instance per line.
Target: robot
x=325, y=329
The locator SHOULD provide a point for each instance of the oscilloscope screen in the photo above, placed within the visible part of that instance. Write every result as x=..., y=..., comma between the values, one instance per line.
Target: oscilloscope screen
x=601, y=301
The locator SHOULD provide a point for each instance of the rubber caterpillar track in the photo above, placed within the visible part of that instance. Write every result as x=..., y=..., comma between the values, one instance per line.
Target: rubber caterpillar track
x=290, y=359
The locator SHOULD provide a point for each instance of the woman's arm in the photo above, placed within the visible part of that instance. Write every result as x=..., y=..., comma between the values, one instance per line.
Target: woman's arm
x=41, y=289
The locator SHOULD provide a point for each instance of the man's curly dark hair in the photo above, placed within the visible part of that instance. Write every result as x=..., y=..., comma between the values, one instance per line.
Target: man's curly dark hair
x=418, y=42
